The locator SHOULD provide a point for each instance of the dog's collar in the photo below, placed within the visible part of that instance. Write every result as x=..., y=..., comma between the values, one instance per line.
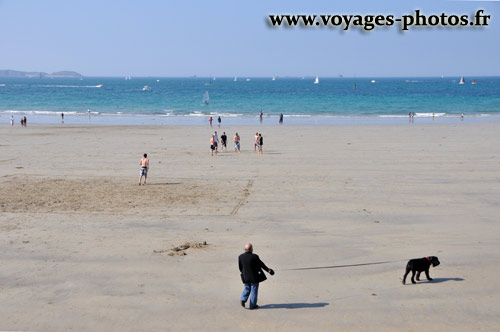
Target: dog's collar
x=428, y=259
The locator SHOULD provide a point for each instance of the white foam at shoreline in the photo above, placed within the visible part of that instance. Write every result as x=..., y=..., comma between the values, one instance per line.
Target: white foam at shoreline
x=65, y=86
x=429, y=115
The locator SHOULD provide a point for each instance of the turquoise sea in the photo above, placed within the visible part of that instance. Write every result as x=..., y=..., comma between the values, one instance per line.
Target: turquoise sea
x=163, y=101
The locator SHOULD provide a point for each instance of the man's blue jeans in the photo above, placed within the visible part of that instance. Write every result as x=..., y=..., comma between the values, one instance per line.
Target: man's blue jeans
x=253, y=291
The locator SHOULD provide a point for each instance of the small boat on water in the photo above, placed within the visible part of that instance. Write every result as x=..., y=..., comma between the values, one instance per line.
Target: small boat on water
x=146, y=88
x=206, y=98
x=248, y=80
x=316, y=81
x=99, y=85
x=474, y=82
x=274, y=78
x=235, y=79
x=3, y=84
x=462, y=81
x=373, y=81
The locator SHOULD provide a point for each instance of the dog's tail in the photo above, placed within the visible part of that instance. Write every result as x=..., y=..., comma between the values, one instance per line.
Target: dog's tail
x=408, y=266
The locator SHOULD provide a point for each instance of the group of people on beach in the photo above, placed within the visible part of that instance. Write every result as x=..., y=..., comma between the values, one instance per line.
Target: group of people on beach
x=24, y=121
x=261, y=116
x=258, y=142
x=210, y=120
x=214, y=143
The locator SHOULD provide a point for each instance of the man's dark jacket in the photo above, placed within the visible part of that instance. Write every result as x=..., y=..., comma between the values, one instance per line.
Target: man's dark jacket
x=251, y=268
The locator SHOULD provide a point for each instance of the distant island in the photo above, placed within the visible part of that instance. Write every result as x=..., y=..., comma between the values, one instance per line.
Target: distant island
x=59, y=74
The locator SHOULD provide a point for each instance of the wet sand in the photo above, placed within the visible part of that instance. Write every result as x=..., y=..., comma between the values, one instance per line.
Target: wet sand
x=83, y=247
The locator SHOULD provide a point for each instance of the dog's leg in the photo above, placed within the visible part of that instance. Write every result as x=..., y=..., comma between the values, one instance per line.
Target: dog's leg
x=418, y=276
x=406, y=273
x=413, y=277
x=427, y=275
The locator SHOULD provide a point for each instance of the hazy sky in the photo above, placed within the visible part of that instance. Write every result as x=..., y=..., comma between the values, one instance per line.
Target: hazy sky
x=231, y=37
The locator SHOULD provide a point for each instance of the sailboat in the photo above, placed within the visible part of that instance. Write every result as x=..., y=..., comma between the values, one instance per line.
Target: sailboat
x=206, y=98
x=462, y=81
x=474, y=82
x=235, y=79
x=316, y=81
x=274, y=78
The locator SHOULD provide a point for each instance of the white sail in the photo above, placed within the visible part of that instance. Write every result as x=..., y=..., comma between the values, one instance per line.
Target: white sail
x=274, y=78
x=235, y=79
x=206, y=98
x=316, y=81
x=462, y=81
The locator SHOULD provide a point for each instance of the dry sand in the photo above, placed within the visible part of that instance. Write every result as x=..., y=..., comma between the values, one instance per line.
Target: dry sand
x=84, y=248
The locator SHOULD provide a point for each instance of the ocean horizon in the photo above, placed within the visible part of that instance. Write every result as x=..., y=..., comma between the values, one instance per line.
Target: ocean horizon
x=239, y=100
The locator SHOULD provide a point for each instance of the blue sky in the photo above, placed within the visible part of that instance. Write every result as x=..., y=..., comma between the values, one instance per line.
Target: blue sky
x=228, y=38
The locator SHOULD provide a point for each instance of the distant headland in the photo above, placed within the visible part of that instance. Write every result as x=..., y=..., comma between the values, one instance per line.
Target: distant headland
x=59, y=74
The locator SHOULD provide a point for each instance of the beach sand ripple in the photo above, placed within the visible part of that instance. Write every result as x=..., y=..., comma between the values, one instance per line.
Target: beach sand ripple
x=87, y=196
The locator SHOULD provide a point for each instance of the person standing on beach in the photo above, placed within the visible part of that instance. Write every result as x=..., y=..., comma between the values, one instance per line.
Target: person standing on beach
x=12, y=120
x=236, y=140
x=223, y=140
x=281, y=119
x=216, y=142
x=251, y=275
x=210, y=120
x=261, y=116
x=144, y=168
x=255, y=142
x=25, y=122
x=62, y=117
x=261, y=142
x=212, y=146
x=219, y=120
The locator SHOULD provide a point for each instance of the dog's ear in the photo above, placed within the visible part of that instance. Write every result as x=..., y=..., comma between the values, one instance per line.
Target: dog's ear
x=435, y=261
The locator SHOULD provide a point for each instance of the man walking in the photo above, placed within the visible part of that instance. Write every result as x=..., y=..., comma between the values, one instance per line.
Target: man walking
x=216, y=142
x=256, y=141
x=223, y=140
x=144, y=168
x=236, y=140
x=251, y=274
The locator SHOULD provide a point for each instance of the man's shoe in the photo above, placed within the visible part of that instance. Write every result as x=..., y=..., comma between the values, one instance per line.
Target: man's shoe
x=256, y=307
x=242, y=304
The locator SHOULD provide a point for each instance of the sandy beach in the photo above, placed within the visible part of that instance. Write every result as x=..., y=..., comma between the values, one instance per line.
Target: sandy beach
x=84, y=248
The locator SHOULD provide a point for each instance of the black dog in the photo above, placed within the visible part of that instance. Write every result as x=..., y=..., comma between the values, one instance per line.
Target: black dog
x=419, y=265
